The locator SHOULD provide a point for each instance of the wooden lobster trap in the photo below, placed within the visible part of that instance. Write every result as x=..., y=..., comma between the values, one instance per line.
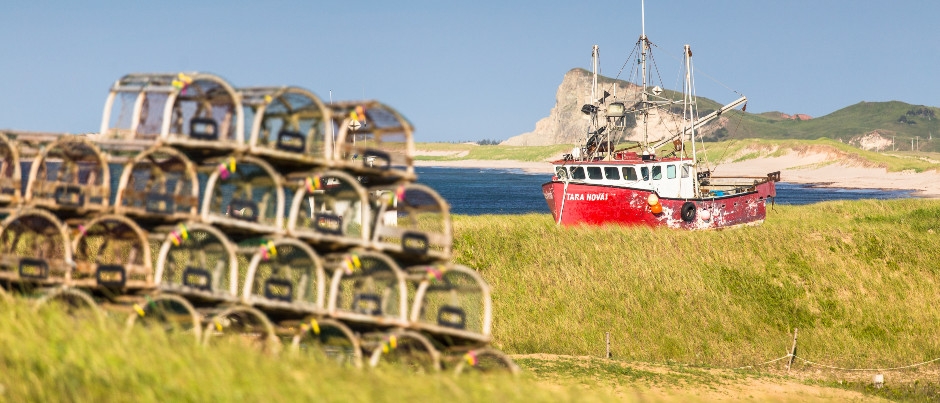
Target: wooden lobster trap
x=160, y=184
x=453, y=304
x=35, y=250
x=70, y=176
x=373, y=141
x=330, y=210
x=197, y=112
x=453, y=307
x=245, y=196
x=412, y=223
x=112, y=255
x=369, y=292
x=288, y=127
x=285, y=274
x=199, y=262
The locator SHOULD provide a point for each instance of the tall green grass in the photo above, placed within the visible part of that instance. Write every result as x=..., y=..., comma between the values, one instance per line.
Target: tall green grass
x=858, y=278
x=53, y=357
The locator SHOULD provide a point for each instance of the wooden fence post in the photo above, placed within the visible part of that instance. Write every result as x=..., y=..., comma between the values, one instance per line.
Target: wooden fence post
x=792, y=351
x=608, y=345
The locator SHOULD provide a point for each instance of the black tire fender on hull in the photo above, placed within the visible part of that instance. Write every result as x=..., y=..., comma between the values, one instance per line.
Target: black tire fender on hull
x=688, y=211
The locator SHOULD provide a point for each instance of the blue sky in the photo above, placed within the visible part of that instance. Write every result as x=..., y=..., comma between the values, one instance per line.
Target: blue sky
x=464, y=70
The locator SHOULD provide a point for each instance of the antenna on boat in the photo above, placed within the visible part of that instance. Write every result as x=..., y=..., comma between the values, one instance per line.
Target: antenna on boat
x=643, y=18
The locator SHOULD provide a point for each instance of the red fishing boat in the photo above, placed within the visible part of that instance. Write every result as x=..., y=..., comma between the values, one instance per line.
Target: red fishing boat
x=634, y=170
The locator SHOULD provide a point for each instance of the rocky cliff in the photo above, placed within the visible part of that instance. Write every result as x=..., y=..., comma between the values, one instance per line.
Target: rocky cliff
x=566, y=124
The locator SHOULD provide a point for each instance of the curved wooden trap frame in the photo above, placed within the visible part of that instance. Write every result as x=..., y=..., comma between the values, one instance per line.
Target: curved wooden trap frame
x=231, y=191
x=285, y=275
x=336, y=340
x=486, y=359
x=70, y=174
x=330, y=210
x=368, y=289
x=373, y=140
x=112, y=252
x=288, y=125
x=168, y=311
x=11, y=177
x=198, y=112
x=35, y=249
x=159, y=184
x=452, y=304
x=74, y=300
x=408, y=348
x=198, y=261
x=412, y=222
x=248, y=324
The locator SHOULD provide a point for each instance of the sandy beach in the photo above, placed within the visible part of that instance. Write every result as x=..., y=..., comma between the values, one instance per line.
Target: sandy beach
x=808, y=168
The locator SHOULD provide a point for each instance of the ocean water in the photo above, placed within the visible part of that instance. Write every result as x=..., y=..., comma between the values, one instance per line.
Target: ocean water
x=474, y=191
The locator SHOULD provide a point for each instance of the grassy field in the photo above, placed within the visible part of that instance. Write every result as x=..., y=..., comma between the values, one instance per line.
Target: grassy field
x=858, y=279
x=451, y=152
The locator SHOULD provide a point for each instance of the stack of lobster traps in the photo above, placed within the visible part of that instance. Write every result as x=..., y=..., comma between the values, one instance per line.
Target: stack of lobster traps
x=257, y=213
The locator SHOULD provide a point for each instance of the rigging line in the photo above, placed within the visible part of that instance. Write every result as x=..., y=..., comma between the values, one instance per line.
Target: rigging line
x=629, y=58
x=728, y=145
x=713, y=79
x=662, y=121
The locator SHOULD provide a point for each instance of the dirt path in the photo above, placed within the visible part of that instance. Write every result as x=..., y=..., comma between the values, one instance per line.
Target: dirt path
x=653, y=382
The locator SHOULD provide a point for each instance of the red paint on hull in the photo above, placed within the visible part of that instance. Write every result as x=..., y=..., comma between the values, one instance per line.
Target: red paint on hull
x=581, y=203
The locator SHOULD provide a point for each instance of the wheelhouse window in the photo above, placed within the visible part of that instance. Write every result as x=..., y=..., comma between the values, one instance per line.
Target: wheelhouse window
x=670, y=172
x=594, y=173
x=561, y=173
x=685, y=171
x=577, y=173
x=657, y=172
x=612, y=173
x=629, y=173
x=646, y=173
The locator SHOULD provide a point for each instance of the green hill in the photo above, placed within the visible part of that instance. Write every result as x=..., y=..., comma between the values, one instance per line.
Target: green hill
x=898, y=120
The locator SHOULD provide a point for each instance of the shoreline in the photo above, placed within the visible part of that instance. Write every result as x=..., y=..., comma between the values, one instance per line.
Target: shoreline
x=792, y=170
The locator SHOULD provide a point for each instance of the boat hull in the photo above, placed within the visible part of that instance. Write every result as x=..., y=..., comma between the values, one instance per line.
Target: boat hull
x=580, y=203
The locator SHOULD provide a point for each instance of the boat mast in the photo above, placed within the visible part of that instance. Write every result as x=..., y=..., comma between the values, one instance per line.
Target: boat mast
x=644, y=47
x=689, y=103
x=594, y=70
